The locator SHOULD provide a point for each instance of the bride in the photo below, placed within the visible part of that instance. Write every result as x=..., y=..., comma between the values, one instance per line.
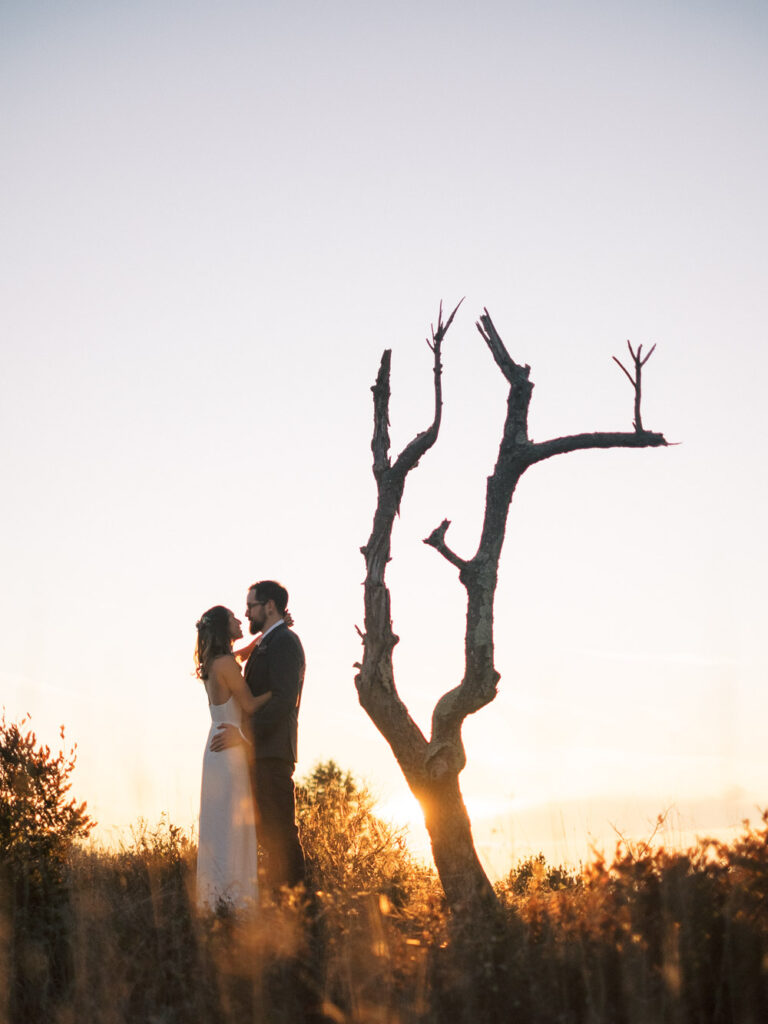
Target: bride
x=226, y=853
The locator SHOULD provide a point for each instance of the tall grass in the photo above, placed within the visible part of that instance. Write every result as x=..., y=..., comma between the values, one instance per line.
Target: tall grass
x=652, y=936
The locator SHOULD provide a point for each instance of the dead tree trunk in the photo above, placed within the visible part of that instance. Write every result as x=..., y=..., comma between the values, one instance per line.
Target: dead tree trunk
x=432, y=767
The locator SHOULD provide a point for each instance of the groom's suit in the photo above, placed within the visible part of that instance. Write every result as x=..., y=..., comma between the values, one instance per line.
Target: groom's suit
x=277, y=664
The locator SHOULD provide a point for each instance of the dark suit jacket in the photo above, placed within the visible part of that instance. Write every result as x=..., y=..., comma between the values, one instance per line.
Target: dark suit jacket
x=277, y=664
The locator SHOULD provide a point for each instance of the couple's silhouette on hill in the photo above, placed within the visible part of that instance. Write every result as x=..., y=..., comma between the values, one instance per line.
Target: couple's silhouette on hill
x=247, y=792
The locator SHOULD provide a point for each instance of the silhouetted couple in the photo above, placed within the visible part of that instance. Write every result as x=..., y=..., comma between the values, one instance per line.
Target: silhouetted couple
x=247, y=791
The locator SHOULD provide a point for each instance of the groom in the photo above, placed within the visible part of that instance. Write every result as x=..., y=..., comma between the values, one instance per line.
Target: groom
x=277, y=664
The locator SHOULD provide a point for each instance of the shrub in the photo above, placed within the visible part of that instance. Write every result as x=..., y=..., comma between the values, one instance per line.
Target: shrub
x=38, y=820
x=39, y=823
x=349, y=849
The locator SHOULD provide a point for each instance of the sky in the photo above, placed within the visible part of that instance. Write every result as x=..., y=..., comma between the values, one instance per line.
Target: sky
x=214, y=218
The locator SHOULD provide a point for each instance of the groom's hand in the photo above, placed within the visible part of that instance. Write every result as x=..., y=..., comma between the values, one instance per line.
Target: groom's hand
x=226, y=735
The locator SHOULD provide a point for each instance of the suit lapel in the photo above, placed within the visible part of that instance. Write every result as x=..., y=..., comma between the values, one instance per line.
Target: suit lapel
x=256, y=674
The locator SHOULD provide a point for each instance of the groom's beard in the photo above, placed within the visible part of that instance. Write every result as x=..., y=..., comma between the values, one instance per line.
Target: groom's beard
x=254, y=627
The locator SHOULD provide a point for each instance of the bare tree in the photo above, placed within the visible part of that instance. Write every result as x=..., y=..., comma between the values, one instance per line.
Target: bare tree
x=432, y=766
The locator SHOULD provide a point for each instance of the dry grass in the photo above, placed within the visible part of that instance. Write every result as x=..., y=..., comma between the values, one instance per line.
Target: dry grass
x=654, y=936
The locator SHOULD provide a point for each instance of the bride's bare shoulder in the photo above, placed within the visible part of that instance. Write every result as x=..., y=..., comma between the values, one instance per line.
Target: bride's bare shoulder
x=223, y=666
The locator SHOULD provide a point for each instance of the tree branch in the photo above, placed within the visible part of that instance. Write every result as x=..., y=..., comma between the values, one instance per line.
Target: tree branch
x=504, y=360
x=520, y=387
x=436, y=539
x=380, y=441
x=636, y=381
x=480, y=574
x=410, y=455
x=542, y=450
x=375, y=680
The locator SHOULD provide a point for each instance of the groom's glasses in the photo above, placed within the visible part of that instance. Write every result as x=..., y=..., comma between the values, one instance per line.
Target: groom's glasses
x=252, y=604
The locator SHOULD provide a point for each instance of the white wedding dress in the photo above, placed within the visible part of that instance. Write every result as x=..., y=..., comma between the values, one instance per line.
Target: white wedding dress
x=226, y=856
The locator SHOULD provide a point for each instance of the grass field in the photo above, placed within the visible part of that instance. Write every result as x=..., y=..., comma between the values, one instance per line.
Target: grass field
x=654, y=935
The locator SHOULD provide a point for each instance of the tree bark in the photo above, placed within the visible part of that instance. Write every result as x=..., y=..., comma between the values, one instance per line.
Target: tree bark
x=467, y=888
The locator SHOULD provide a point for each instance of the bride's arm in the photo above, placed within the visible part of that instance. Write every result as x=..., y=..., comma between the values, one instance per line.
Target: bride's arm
x=244, y=652
x=228, y=673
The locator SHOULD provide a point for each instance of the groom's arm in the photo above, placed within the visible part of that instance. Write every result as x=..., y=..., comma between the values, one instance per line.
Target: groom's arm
x=286, y=669
x=228, y=735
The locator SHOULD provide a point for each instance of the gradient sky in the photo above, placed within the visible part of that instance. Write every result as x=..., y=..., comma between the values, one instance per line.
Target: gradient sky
x=215, y=217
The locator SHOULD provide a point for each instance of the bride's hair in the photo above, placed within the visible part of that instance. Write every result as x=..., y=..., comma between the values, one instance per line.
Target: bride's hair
x=213, y=638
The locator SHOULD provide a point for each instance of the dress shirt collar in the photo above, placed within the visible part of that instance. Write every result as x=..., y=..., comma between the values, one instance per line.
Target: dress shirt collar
x=268, y=631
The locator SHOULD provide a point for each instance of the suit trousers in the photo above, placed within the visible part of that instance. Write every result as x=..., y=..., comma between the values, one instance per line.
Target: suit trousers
x=278, y=835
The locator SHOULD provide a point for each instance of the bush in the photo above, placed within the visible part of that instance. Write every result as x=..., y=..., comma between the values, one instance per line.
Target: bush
x=349, y=849
x=38, y=821
x=534, y=873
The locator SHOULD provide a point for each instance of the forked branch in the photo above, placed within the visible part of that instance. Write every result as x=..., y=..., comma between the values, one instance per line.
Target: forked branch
x=479, y=574
x=413, y=451
x=636, y=381
x=375, y=681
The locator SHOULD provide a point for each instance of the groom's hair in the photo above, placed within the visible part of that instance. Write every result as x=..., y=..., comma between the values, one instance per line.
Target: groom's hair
x=269, y=590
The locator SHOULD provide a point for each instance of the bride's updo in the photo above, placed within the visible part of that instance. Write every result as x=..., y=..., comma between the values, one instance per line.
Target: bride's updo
x=213, y=638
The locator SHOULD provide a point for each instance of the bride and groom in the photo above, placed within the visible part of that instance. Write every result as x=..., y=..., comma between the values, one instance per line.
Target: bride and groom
x=247, y=792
